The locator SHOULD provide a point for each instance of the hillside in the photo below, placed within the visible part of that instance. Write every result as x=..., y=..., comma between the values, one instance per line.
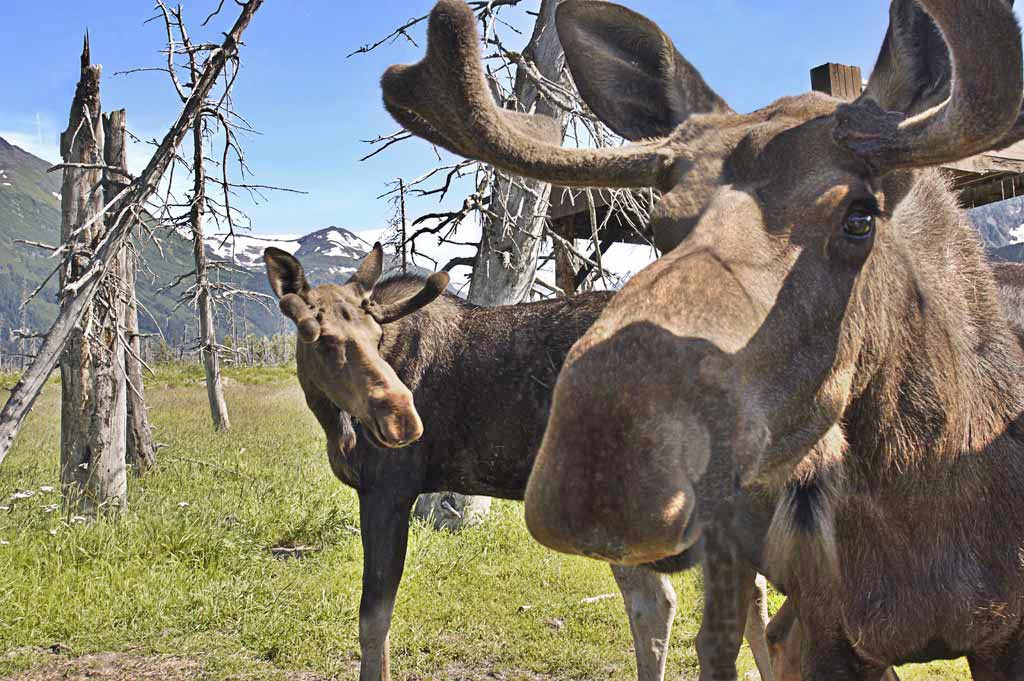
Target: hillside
x=30, y=210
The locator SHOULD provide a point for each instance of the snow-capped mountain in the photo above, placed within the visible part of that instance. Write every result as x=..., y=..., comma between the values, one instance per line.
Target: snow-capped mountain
x=328, y=255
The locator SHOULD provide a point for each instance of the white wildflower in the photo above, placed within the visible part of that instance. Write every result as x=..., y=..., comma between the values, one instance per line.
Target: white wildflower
x=53, y=533
x=84, y=466
x=27, y=494
x=46, y=489
x=4, y=542
x=183, y=504
x=78, y=519
x=50, y=508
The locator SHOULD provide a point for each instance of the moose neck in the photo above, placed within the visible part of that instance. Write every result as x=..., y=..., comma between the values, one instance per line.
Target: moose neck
x=419, y=341
x=948, y=395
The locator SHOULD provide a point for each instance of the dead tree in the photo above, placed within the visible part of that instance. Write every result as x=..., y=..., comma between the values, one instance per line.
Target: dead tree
x=123, y=213
x=93, y=391
x=513, y=229
x=179, y=44
x=513, y=224
x=215, y=147
x=140, y=446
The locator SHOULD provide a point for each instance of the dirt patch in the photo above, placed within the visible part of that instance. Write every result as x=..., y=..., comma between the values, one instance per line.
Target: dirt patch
x=122, y=667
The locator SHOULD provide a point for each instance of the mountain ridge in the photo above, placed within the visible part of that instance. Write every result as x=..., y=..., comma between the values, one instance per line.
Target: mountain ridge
x=30, y=211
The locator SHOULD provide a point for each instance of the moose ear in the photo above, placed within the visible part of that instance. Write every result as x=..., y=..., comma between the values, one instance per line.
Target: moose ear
x=285, y=273
x=913, y=71
x=370, y=269
x=433, y=287
x=629, y=72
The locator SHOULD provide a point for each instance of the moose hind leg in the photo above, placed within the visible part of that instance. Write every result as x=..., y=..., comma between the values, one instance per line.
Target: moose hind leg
x=651, y=606
x=384, y=521
x=757, y=622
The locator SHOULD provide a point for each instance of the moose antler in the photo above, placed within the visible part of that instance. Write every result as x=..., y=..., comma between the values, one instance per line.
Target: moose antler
x=445, y=99
x=298, y=310
x=434, y=286
x=984, y=98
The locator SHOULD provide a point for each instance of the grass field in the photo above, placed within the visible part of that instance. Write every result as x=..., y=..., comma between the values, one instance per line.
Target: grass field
x=188, y=571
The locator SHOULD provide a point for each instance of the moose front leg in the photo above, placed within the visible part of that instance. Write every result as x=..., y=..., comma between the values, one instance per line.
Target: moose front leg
x=384, y=525
x=651, y=606
x=728, y=584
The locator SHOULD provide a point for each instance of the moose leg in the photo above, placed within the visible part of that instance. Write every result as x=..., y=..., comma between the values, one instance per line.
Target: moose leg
x=783, y=635
x=828, y=655
x=757, y=623
x=728, y=583
x=651, y=606
x=1008, y=666
x=384, y=525
x=784, y=641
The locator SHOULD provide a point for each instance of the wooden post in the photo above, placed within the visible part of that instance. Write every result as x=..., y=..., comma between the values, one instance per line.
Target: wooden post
x=141, y=449
x=565, y=262
x=838, y=80
x=93, y=390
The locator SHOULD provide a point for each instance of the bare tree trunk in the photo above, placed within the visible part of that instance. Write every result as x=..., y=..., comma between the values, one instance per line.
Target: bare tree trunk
x=141, y=445
x=141, y=450
x=93, y=392
x=506, y=262
x=207, y=330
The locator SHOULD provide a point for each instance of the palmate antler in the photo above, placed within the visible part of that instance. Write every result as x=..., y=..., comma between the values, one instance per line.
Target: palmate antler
x=445, y=99
x=984, y=102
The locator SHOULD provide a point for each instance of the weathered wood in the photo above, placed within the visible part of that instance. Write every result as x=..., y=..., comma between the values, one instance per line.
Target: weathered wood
x=207, y=330
x=566, y=263
x=27, y=390
x=506, y=263
x=838, y=80
x=140, y=447
x=92, y=457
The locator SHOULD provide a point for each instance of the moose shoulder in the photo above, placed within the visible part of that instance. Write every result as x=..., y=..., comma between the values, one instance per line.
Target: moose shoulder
x=448, y=396
x=822, y=293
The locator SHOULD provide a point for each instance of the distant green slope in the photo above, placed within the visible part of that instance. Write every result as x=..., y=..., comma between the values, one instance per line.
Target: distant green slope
x=30, y=210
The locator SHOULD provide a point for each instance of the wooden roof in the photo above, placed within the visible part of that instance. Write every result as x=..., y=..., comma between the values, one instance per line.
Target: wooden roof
x=569, y=207
x=990, y=177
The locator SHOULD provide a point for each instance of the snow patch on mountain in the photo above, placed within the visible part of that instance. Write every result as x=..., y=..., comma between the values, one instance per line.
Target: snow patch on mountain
x=246, y=250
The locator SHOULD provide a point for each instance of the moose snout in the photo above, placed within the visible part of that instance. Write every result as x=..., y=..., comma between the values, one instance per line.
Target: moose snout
x=615, y=477
x=395, y=420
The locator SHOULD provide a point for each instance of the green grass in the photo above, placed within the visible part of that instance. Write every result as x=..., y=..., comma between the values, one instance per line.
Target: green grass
x=188, y=570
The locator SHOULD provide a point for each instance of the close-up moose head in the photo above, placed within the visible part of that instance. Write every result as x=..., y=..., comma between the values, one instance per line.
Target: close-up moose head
x=339, y=332
x=809, y=264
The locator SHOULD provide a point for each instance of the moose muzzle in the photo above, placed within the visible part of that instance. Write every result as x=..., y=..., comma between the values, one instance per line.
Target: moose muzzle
x=393, y=418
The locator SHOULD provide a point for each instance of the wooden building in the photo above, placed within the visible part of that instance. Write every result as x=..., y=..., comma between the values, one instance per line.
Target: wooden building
x=983, y=179
x=980, y=180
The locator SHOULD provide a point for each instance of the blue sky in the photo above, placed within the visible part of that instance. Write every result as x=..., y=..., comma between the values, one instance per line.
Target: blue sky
x=314, y=106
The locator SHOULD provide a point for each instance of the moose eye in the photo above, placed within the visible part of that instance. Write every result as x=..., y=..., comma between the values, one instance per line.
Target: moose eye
x=859, y=224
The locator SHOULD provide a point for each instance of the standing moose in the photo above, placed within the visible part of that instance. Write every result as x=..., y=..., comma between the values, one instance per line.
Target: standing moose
x=448, y=396
x=821, y=287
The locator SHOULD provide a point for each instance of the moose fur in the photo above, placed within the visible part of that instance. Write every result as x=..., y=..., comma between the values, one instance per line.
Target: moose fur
x=480, y=381
x=821, y=294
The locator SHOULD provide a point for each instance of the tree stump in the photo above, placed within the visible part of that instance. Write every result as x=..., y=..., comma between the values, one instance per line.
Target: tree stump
x=451, y=511
x=93, y=386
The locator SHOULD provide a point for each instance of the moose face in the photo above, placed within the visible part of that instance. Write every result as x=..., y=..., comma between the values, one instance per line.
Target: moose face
x=340, y=328
x=790, y=236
